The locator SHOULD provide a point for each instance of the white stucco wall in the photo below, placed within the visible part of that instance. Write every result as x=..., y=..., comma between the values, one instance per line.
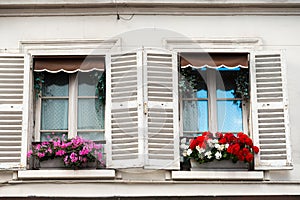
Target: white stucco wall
x=276, y=32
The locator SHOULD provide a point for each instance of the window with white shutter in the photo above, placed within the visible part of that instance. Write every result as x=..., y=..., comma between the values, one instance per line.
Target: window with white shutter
x=269, y=105
x=142, y=116
x=14, y=91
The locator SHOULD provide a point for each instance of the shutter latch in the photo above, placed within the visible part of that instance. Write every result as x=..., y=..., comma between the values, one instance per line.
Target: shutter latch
x=145, y=108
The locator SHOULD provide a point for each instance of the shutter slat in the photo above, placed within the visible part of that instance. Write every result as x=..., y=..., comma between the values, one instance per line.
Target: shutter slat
x=269, y=111
x=162, y=143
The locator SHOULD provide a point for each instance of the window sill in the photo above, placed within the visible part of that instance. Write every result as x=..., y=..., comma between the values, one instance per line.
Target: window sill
x=218, y=175
x=70, y=174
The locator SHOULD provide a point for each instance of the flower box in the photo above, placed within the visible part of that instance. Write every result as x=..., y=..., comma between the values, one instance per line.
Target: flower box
x=75, y=153
x=217, y=165
x=57, y=163
x=220, y=151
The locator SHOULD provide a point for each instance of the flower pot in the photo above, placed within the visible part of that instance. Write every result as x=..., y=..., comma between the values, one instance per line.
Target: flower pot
x=221, y=165
x=57, y=163
x=52, y=163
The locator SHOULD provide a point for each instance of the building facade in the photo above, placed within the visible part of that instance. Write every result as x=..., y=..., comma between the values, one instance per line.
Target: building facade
x=142, y=77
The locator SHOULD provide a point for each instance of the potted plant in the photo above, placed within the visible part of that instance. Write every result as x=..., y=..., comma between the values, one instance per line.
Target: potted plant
x=229, y=148
x=75, y=153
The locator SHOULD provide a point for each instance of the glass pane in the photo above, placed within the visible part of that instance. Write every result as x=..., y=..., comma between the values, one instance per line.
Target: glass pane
x=230, y=117
x=195, y=116
x=48, y=136
x=193, y=83
x=90, y=114
x=226, y=82
x=55, y=84
x=87, y=83
x=54, y=114
x=95, y=136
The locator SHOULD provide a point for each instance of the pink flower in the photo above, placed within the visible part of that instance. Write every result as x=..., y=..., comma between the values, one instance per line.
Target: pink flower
x=84, y=151
x=73, y=157
x=60, y=153
x=56, y=143
x=41, y=155
x=38, y=147
x=49, y=150
x=66, y=160
x=99, y=156
x=65, y=145
x=29, y=153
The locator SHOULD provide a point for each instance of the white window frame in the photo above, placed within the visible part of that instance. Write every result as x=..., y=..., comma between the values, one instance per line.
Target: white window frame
x=212, y=107
x=72, y=110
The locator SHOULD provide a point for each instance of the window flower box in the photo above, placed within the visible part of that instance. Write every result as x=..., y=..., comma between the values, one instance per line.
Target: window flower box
x=219, y=165
x=75, y=153
x=220, y=151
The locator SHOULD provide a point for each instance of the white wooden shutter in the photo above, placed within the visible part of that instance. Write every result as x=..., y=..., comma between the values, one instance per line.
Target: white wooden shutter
x=270, y=110
x=14, y=93
x=124, y=114
x=161, y=101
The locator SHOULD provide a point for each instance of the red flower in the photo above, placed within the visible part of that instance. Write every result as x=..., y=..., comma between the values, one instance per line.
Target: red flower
x=249, y=157
x=222, y=141
x=193, y=144
x=246, y=151
x=240, y=155
x=229, y=149
x=249, y=142
x=230, y=138
x=235, y=149
x=219, y=135
x=255, y=149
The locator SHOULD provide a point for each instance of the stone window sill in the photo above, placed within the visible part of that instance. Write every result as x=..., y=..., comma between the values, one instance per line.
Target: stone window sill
x=68, y=174
x=217, y=175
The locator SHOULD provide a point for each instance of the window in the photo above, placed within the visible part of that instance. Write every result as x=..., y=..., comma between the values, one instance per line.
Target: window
x=208, y=98
x=69, y=103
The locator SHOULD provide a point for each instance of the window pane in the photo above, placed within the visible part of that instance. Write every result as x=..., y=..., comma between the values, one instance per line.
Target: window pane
x=95, y=136
x=90, y=114
x=193, y=83
x=230, y=118
x=54, y=114
x=49, y=136
x=55, y=84
x=195, y=116
x=87, y=83
x=226, y=82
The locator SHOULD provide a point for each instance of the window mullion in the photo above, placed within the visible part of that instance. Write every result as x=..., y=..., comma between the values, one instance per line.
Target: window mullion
x=212, y=100
x=73, y=93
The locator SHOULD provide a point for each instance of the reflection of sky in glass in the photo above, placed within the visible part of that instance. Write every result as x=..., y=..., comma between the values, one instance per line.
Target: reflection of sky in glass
x=229, y=116
x=203, y=115
x=201, y=94
x=221, y=93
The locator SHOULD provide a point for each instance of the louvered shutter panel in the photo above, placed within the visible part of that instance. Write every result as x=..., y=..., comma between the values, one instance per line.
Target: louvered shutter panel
x=14, y=90
x=161, y=101
x=124, y=114
x=269, y=110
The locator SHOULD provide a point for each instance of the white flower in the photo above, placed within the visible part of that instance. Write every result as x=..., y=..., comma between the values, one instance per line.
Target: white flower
x=189, y=152
x=184, y=146
x=215, y=141
x=210, y=143
x=183, y=141
x=218, y=155
x=217, y=146
x=199, y=149
x=226, y=146
x=208, y=154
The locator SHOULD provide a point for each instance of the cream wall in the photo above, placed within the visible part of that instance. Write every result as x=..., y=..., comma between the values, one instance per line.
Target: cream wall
x=276, y=32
